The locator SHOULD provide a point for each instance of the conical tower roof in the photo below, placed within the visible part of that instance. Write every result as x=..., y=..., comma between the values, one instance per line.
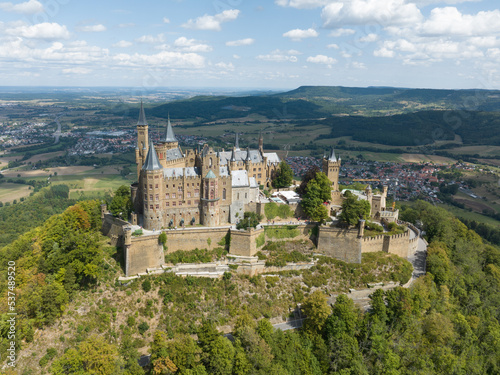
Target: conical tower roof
x=142, y=117
x=169, y=134
x=152, y=163
x=237, y=142
x=233, y=155
x=248, y=158
x=332, y=156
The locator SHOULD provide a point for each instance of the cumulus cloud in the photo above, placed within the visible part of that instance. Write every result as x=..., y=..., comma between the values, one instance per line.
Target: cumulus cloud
x=92, y=28
x=342, y=32
x=28, y=7
x=225, y=66
x=77, y=70
x=450, y=21
x=122, y=44
x=164, y=59
x=302, y=4
x=166, y=20
x=280, y=56
x=46, y=31
x=299, y=34
x=150, y=39
x=321, y=59
x=369, y=38
x=207, y=22
x=240, y=42
x=191, y=45
x=333, y=45
x=361, y=12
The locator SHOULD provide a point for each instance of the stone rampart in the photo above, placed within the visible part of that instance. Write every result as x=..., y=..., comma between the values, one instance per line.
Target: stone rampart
x=243, y=242
x=339, y=243
x=193, y=238
x=396, y=244
x=113, y=228
x=144, y=252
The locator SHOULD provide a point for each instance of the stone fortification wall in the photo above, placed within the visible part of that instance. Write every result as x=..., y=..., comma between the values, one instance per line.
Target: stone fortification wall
x=243, y=242
x=397, y=244
x=342, y=244
x=190, y=239
x=143, y=252
x=112, y=227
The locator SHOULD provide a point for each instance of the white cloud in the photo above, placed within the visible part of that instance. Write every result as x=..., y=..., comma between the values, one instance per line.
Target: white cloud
x=92, y=28
x=240, y=42
x=334, y=46
x=358, y=65
x=321, y=59
x=302, y=4
x=384, y=52
x=166, y=20
x=164, y=59
x=280, y=56
x=122, y=44
x=429, y=2
x=77, y=70
x=299, y=34
x=150, y=39
x=450, y=21
x=225, y=66
x=237, y=57
x=46, y=31
x=369, y=38
x=28, y=7
x=342, y=32
x=362, y=12
x=191, y=45
x=207, y=22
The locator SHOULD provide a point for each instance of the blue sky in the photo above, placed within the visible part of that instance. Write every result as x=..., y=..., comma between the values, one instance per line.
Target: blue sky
x=250, y=43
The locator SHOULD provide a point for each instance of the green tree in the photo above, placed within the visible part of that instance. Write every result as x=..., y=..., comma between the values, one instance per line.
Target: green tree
x=121, y=204
x=283, y=177
x=316, y=309
x=354, y=209
x=220, y=358
x=250, y=219
x=318, y=192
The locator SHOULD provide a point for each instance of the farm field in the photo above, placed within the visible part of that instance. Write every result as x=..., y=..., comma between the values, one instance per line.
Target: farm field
x=10, y=191
x=470, y=215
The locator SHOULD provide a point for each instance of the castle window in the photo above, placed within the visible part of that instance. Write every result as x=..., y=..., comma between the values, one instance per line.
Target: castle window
x=151, y=186
x=223, y=194
x=145, y=206
x=167, y=204
x=212, y=183
x=167, y=196
x=156, y=186
x=211, y=204
x=197, y=184
x=196, y=192
x=157, y=206
x=173, y=195
x=238, y=196
x=189, y=194
x=260, y=169
x=173, y=185
x=179, y=188
x=157, y=197
x=167, y=186
x=180, y=203
x=246, y=195
x=150, y=206
x=254, y=169
x=210, y=163
x=197, y=202
x=173, y=204
x=156, y=176
x=145, y=197
x=150, y=197
x=259, y=175
x=145, y=186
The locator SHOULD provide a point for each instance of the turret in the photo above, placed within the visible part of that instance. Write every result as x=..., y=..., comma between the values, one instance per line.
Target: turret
x=331, y=167
x=141, y=149
x=152, y=182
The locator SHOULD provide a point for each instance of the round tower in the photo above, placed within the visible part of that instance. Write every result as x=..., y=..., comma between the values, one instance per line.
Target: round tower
x=210, y=200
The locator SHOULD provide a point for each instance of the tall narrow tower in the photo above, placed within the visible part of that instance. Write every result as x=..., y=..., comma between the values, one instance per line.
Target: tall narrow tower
x=151, y=178
x=142, y=147
x=331, y=167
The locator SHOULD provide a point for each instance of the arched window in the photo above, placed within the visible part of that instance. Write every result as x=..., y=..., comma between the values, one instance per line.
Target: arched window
x=223, y=194
x=210, y=163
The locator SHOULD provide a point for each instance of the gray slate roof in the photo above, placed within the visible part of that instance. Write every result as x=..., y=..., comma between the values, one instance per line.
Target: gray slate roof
x=241, y=155
x=174, y=154
x=142, y=116
x=152, y=163
x=181, y=172
x=239, y=179
x=332, y=156
x=169, y=133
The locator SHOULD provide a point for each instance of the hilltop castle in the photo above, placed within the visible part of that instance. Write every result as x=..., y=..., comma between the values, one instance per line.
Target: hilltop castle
x=177, y=187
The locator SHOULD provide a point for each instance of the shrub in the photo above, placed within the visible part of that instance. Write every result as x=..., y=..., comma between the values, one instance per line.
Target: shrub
x=143, y=327
x=146, y=285
x=138, y=232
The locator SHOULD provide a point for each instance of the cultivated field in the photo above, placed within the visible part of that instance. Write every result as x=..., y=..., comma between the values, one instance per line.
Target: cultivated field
x=9, y=192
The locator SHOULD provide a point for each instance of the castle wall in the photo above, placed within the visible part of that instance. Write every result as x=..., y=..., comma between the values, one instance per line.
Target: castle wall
x=398, y=244
x=144, y=252
x=342, y=244
x=190, y=239
x=243, y=242
x=112, y=227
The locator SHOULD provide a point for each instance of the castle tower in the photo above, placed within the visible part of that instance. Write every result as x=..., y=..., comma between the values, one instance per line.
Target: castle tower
x=248, y=161
x=151, y=180
x=233, y=165
x=210, y=200
x=331, y=167
x=141, y=149
x=369, y=198
x=209, y=161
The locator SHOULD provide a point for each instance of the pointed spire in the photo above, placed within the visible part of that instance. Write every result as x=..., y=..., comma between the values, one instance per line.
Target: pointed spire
x=152, y=163
x=237, y=142
x=233, y=154
x=332, y=156
x=142, y=117
x=248, y=155
x=169, y=134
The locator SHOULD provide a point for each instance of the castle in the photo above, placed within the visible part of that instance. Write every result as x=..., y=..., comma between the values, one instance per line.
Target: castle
x=177, y=188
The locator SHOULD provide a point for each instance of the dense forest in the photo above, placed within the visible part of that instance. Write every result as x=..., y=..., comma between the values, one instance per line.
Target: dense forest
x=447, y=322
